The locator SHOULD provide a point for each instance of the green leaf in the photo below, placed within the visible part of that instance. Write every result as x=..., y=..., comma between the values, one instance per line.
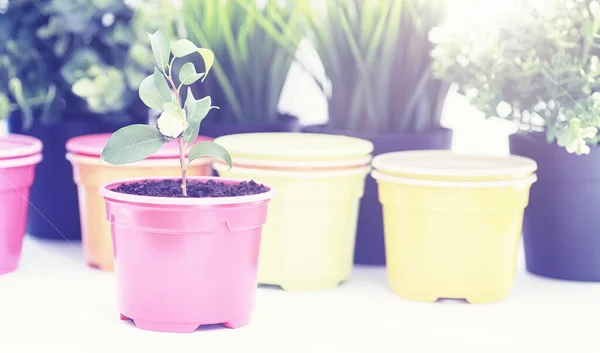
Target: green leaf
x=188, y=74
x=131, y=144
x=84, y=87
x=196, y=112
x=224, y=82
x=162, y=86
x=183, y=47
x=209, y=58
x=16, y=89
x=161, y=47
x=4, y=106
x=150, y=95
x=209, y=149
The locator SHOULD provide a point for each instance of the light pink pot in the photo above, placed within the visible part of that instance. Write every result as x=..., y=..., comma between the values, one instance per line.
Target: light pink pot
x=185, y=262
x=18, y=156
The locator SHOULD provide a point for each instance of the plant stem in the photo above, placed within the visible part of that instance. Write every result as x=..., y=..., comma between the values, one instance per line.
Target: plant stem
x=175, y=89
x=183, y=161
x=182, y=145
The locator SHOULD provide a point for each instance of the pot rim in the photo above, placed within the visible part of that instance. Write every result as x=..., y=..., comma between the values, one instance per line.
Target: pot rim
x=146, y=163
x=292, y=145
x=105, y=192
x=403, y=162
x=24, y=146
x=91, y=145
x=301, y=165
x=360, y=170
x=467, y=184
x=21, y=162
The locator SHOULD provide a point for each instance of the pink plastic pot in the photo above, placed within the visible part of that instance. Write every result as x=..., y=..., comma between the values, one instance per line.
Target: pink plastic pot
x=18, y=156
x=89, y=173
x=185, y=262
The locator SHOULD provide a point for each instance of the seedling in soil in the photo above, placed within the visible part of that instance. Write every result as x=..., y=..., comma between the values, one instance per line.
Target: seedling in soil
x=162, y=91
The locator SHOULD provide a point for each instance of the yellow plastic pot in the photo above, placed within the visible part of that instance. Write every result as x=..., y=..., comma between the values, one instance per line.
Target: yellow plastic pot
x=90, y=173
x=452, y=239
x=308, y=240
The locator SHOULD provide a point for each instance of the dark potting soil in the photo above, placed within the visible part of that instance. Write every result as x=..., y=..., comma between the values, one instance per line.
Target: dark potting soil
x=172, y=188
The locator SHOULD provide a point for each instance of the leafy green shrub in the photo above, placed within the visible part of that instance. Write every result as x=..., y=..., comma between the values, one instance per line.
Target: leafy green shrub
x=25, y=80
x=539, y=68
x=75, y=57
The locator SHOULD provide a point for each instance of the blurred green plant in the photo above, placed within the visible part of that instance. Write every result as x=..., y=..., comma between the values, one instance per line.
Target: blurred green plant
x=539, y=68
x=24, y=80
x=84, y=56
x=148, y=16
x=251, y=66
x=376, y=56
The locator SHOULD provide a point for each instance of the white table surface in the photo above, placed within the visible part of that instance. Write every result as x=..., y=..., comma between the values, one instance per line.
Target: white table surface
x=54, y=303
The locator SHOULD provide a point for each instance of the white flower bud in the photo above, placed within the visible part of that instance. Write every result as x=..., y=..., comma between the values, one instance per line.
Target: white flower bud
x=171, y=125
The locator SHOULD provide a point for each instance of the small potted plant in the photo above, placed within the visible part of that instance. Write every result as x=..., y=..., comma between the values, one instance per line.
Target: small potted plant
x=185, y=249
x=539, y=67
x=251, y=67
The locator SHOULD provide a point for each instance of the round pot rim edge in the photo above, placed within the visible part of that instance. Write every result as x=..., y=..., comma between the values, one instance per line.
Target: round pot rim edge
x=525, y=181
x=33, y=147
x=523, y=165
x=146, y=163
x=21, y=162
x=360, y=170
x=105, y=192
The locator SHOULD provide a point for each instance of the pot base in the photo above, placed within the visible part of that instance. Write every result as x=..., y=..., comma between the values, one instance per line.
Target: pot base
x=6, y=270
x=99, y=267
x=181, y=328
x=476, y=298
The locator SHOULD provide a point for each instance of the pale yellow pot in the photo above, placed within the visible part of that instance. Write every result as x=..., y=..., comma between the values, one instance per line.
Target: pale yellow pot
x=89, y=174
x=308, y=240
x=457, y=236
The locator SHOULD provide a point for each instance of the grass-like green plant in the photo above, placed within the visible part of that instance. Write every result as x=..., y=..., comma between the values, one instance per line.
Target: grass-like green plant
x=251, y=66
x=180, y=119
x=539, y=68
x=377, y=57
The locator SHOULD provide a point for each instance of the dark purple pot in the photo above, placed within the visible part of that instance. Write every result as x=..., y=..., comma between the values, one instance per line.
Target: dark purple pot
x=54, y=210
x=370, y=246
x=285, y=123
x=561, y=228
